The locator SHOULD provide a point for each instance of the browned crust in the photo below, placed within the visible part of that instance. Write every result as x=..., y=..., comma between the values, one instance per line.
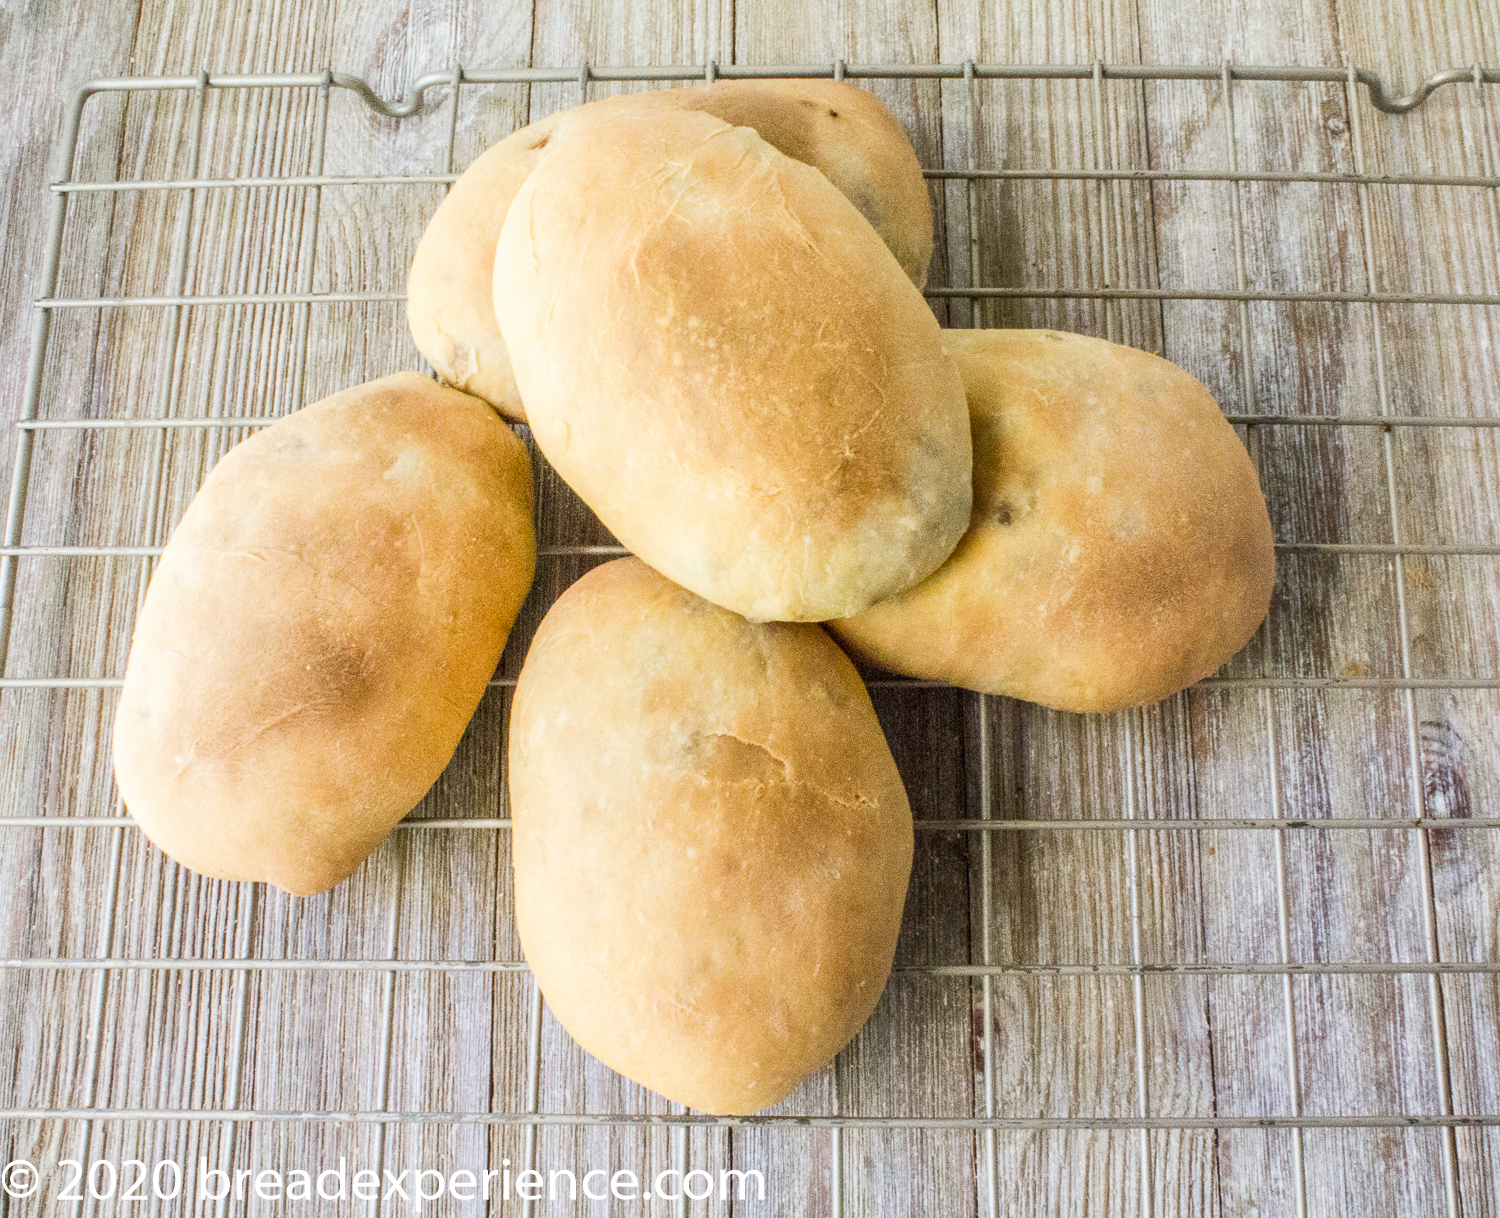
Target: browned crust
x=1119, y=549
x=730, y=368
x=710, y=839
x=837, y=128
x=322, y=624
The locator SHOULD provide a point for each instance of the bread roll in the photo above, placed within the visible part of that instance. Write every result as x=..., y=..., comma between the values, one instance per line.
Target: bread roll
x=837, y=128
x=710, y=839
x=730, y=368
x=323, y=623
x=1120, y=547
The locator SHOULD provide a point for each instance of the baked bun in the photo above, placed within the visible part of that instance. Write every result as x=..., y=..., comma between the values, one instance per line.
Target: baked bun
x=728, y=365
x=323, y=623
x=710, y=839
x=837, y=128
x=849, y=136
x=1120, y=547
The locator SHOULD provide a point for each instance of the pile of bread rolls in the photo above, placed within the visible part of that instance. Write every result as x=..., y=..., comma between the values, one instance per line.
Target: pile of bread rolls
x=706, y=305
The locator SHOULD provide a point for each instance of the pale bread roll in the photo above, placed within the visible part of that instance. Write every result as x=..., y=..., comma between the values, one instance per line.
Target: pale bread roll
x=324, y=621
x=835, y=127
x=710, y=839
x=726, y=363
x=1120, y=547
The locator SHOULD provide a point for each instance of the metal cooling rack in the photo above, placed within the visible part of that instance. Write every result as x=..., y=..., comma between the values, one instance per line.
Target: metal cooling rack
x=447, y=89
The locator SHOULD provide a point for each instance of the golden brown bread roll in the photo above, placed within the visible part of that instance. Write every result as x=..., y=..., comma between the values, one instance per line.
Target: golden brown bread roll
x=710, y=839
x=1120, y=547
x=835, y=127
x=849, y=136
x=730, y=368
x=323, y=623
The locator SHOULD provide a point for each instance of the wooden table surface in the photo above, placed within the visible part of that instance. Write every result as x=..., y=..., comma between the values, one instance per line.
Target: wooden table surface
x=1077, y=1054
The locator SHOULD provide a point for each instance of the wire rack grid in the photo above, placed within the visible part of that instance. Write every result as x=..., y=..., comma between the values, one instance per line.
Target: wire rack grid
x=835, y=1134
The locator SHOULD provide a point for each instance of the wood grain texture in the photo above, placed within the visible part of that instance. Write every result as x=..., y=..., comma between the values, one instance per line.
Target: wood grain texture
x=1060, y=1045
x=1069, y=1044
x=1446, y=364
x=1362, y=1044
x=295, y=1040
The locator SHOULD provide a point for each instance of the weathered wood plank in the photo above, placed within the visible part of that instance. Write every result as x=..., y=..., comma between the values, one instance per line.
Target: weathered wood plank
x=1363, y=1044
x=43, y=914
x=301, y=1040
x=1444, y=362
x=1067, y=1045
